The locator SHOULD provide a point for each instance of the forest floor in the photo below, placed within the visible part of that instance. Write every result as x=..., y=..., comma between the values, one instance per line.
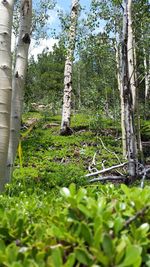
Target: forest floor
x=51, y=160
x=51, y=216
x=48, y=159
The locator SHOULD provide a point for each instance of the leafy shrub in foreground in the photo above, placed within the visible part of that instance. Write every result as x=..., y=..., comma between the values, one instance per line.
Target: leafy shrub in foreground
x=96, y=226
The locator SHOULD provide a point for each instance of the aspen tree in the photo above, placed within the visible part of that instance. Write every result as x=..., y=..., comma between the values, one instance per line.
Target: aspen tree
x=131, y=53
x=6, y=17
x=66, y=112
x=19, y=81
x=119, y=80
x=147, y=74
x=128, y=100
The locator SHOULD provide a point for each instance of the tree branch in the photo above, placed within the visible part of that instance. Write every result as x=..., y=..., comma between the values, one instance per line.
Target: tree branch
x=106, y=170
x=138, y=214
x=101, y=179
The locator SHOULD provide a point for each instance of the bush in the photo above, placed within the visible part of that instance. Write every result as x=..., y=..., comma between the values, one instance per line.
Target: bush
x=96, y=226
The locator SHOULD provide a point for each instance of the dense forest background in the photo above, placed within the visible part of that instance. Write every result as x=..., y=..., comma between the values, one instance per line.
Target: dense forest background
x=94, y=69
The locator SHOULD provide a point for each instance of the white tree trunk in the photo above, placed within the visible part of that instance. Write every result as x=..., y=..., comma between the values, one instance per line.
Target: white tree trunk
x=128, y=100
x=66, y=112
x=137, y=113
x=120, y=87
x=147, y=74
x=133, y=78
x=6, y=16
x=19, y=80
x=130, y=51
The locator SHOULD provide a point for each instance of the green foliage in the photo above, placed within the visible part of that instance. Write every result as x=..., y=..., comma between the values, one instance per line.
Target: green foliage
x=78, y=226
x=145, y=130
x=51, y=217
x=44, y=81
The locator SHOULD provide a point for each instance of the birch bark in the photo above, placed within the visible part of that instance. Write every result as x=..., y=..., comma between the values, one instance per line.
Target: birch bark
x=18, y=81
x=147, y=74
x=66, y=111
x=6, y=17
x=128, y=100
x=133, y=78
x=120, y=87
x=130, y=51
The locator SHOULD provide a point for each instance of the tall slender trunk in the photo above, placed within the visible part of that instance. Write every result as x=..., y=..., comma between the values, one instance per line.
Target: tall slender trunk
x=66, y=112
x=133, y=78
x=128, y=100
x=6, y=17
x=147, y=74
x=130, y=52
x=18, y=81
x=79, y=86
x=119, y=80
x=137, y=113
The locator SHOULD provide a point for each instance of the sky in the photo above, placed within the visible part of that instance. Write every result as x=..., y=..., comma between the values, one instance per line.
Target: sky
x=53, y=23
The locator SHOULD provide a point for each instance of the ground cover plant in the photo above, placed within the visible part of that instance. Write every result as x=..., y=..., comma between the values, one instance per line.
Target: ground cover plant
x=51, y=216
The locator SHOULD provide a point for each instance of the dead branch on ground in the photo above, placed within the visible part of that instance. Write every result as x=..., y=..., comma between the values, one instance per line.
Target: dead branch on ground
x=106, y=170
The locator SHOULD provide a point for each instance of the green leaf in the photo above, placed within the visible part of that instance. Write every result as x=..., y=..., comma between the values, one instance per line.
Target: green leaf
x=70, y=260
x=120, y=249
x=11, y=253
x=84, y=210
x=56, y=257
x=107, y=245
x=97, y=236
x=83, y=256
x=81, y=194
x=72, y=189
x=132, y=257
x=125, y=189
x=100, y=257
x=86, y=233
x=118, y=224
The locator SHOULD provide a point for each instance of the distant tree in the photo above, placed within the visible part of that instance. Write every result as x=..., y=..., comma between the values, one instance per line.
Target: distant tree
x=66, y=112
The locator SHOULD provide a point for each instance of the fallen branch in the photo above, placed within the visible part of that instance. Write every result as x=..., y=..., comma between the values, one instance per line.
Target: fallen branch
x=138, y=214
x=101, y=179
x=144, y=173
x=145, y=170
x=106, y=170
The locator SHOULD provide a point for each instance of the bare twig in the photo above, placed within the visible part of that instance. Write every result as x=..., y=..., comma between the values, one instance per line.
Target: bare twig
x=138, y=214
x=93, y=161
x=106, y=170
x=109, y=150
x=101, y=179
x=144, y=173
x=91, y=168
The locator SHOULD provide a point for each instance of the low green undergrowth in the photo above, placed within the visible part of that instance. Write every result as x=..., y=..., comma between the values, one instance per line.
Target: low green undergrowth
x=95, y=226
x=51, y=217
